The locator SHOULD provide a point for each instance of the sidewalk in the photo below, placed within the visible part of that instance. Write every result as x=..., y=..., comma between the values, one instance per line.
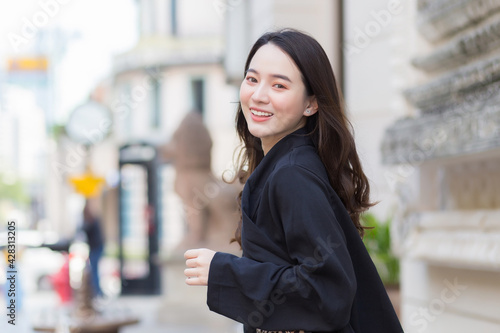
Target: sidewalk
x=156, y=318
x=155, y=315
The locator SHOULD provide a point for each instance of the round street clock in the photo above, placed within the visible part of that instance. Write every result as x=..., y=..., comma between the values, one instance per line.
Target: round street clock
x=89, y=123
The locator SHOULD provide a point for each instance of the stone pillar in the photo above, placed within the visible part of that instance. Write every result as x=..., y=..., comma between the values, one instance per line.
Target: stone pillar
x=445, y=163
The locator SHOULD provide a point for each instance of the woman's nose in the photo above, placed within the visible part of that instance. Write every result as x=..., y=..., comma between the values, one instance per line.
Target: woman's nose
x=260, y=94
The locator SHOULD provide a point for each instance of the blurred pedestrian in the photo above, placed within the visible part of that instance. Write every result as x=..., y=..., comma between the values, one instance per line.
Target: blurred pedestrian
x=92, y=228
x=304, y=266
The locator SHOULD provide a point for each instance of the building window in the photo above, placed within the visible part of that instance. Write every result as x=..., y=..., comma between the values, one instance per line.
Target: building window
x=156, y=103
x=198, y=95
x=148, y=18
x=126, y=111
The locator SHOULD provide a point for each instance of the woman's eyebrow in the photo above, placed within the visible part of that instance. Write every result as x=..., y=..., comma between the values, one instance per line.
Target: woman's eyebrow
x=279, y=76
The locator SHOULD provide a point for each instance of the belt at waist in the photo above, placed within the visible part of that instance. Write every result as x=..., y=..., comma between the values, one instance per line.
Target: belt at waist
x=295, y=331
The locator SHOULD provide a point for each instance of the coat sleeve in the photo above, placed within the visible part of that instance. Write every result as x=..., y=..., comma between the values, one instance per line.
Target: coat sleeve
x=315, y=291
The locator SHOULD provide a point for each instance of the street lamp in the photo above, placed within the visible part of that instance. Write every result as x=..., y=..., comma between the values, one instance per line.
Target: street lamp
x=88, y=124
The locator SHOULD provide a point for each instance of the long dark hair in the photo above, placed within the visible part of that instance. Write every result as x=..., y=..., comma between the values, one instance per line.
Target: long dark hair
x=329, y=127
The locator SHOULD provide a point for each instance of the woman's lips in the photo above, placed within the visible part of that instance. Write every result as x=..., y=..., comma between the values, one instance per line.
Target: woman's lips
x=260, y=115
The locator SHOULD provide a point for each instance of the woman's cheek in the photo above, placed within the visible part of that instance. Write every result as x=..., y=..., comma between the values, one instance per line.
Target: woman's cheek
x=245, y=93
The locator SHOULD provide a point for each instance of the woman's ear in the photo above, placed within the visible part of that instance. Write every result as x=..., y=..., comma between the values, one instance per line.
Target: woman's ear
x=312, y=106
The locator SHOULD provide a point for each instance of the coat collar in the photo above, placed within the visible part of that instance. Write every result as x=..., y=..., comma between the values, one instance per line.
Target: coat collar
x=255, y=183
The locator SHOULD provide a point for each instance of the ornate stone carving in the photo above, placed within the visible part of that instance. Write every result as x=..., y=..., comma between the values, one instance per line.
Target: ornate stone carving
x=480, y=41
x=467, y=78
x=459, y=111
x=413, y=140
x=405, y=218
x=465, y=102
x=458, y=115
x=438, y=19
x=472, y=185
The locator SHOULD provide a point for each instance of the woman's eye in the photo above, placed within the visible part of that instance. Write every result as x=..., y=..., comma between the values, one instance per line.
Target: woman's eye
x=251, y=79
x=280, y=86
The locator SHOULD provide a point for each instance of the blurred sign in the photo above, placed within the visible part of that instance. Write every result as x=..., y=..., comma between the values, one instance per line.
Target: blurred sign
x=28, y=64
x=87, y=184
x=137, y=153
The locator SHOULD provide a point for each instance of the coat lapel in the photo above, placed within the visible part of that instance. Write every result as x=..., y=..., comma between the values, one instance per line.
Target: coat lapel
x=252, y=192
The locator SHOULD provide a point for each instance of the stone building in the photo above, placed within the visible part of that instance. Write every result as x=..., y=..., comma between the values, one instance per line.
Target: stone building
x=444, y=161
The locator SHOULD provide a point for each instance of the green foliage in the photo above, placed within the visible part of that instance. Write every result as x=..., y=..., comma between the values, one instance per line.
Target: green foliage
x=57, y=130
x=378, y=243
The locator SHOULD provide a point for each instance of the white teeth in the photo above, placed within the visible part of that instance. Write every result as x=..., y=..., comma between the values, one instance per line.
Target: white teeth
x=260, y=113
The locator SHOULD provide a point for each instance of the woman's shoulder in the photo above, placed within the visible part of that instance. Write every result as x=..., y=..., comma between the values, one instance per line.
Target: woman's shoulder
x=299, y=162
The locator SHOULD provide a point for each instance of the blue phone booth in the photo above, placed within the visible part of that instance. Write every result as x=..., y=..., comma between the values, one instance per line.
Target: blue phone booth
x=139, y=222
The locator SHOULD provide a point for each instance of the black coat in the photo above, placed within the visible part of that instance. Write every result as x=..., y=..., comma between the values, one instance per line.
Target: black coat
x=304, y=265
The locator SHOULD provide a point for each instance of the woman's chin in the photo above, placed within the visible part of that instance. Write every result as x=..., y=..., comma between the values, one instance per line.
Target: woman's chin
x=257, y=132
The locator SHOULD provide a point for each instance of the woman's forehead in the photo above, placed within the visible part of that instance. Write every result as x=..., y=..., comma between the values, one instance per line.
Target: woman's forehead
x=270, y=59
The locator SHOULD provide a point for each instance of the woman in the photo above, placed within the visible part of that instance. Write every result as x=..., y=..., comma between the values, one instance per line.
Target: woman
x=304, y=266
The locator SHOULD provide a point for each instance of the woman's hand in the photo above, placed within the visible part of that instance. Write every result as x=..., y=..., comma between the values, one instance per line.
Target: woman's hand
x=198, y=263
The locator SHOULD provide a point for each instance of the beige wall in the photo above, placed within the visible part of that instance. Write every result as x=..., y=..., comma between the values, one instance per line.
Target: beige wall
x=248, y=20
x=378, y=46
x=444, y=299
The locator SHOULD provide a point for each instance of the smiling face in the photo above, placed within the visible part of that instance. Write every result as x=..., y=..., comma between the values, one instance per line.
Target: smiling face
x=273, y=96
